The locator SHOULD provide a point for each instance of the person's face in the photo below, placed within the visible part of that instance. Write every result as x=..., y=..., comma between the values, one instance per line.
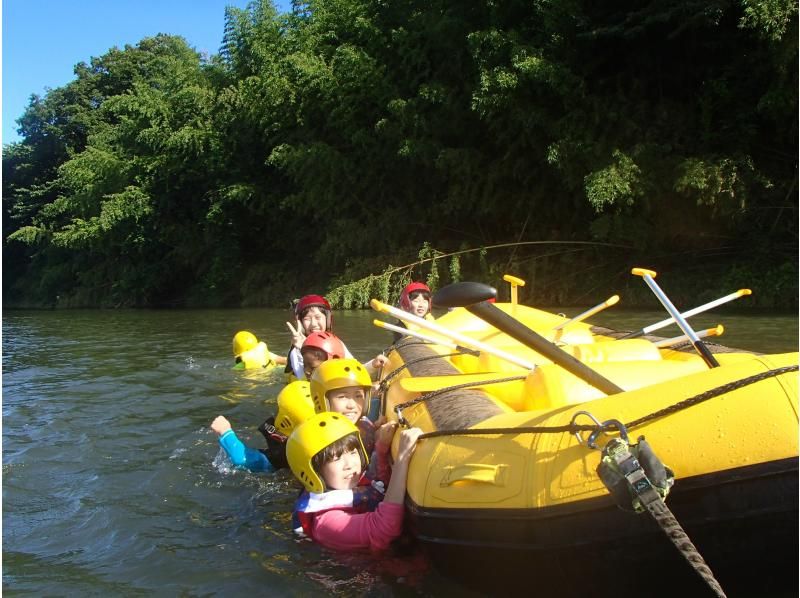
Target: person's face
x=419, y=304
x=348, y=401
x=312, y=357
x=314, y=320
x=342, y=473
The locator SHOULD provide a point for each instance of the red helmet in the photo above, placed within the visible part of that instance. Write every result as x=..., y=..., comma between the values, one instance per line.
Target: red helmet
x=314, y=301
x=413, y=287
x=327, y=342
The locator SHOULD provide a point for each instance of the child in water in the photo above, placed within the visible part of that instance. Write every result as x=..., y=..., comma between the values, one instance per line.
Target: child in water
x=319, y=347
x=415, y=298
x=294, y=407
x=249, y=353
x=343, y=386
x=313, y=313
x=340, y=508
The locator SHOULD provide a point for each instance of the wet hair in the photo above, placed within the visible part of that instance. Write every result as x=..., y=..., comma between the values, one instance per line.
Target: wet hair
x=336, y=449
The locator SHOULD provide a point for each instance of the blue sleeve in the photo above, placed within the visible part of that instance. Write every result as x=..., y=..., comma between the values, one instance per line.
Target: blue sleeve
x=244, y=456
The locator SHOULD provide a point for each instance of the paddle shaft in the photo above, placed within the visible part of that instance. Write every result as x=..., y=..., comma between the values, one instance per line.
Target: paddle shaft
x=424, y=337
x=515, y=329
x=451, y=334
x=699, y=346
x=688, y=314
x=614, y=299
x=668, y=342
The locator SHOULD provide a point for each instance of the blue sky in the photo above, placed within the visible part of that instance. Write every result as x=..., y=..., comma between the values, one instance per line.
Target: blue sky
x=44, y=39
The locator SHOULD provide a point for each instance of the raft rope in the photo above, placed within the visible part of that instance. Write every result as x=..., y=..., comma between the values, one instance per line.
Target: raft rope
x=618, y=457
x=573, y=428
x=659, y=510
x=435, y=393
x=714, y=392
x=386, y=382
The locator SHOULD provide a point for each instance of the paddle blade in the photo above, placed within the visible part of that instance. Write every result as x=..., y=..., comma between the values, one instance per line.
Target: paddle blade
x=461, y=294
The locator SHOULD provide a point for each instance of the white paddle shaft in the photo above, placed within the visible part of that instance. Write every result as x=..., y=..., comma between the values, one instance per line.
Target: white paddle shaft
x=451, y=334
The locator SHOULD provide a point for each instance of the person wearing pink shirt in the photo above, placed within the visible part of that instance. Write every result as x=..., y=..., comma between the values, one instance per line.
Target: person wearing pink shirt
x=340, y=507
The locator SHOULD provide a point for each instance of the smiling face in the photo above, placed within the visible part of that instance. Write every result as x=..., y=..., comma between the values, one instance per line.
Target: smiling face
x=420, y=303
x=348, y=401
x=342, y=472
x=314, y=320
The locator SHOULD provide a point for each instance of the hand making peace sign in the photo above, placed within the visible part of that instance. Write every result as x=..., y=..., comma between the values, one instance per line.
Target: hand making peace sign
x=298, y=337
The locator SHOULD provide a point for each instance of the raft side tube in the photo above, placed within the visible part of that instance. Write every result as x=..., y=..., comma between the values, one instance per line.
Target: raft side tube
x=751, y=424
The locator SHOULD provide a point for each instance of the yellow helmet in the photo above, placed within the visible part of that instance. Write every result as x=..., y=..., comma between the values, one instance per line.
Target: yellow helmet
x=294, y=406
x=312, y=436
x=334, y=374
x=243, y=341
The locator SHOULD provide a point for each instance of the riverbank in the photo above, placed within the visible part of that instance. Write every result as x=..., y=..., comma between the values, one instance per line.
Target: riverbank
x=550, y=280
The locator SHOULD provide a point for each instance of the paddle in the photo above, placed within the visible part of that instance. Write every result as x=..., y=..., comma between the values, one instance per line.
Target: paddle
x=699, y=346
x=451, y=334
x=613, y=300
x=668, y=342
x=688, y=314
x=473, y=296
x=424, y=337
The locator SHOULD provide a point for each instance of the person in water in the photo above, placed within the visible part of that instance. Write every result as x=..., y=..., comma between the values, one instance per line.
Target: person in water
x=343, y=386
x=340, y=508
x=294, y=407
x=249, y=353
x=415, y=298
x=319, y=347
x=313, y=313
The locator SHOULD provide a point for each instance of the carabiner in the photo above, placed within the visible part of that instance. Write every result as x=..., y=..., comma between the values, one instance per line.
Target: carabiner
x=609, y=424
x=590, y=416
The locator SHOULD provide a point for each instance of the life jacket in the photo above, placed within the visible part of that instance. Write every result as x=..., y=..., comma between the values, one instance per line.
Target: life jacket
x=257, y=357
x=276, y=444
x=362, y=499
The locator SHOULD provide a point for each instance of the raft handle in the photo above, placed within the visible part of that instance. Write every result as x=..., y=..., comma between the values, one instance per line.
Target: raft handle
x=482, y=473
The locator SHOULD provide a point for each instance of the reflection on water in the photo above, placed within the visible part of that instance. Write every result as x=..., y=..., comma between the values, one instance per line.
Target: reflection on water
x=113, y=482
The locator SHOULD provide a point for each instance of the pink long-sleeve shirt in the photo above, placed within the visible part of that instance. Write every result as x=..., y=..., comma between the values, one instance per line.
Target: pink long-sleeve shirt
x=339, y=526
x=342, y=530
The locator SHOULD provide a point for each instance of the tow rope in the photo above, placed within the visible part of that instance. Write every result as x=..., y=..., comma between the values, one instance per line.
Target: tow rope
x=636, y=477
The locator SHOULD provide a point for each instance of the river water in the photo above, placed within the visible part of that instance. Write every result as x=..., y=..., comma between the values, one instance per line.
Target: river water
x=114, y=484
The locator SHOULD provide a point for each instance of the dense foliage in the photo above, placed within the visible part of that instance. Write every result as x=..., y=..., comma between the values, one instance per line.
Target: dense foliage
x=323, y=145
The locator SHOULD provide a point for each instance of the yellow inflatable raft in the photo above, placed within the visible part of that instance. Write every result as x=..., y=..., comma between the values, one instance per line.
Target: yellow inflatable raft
x=505, y=480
